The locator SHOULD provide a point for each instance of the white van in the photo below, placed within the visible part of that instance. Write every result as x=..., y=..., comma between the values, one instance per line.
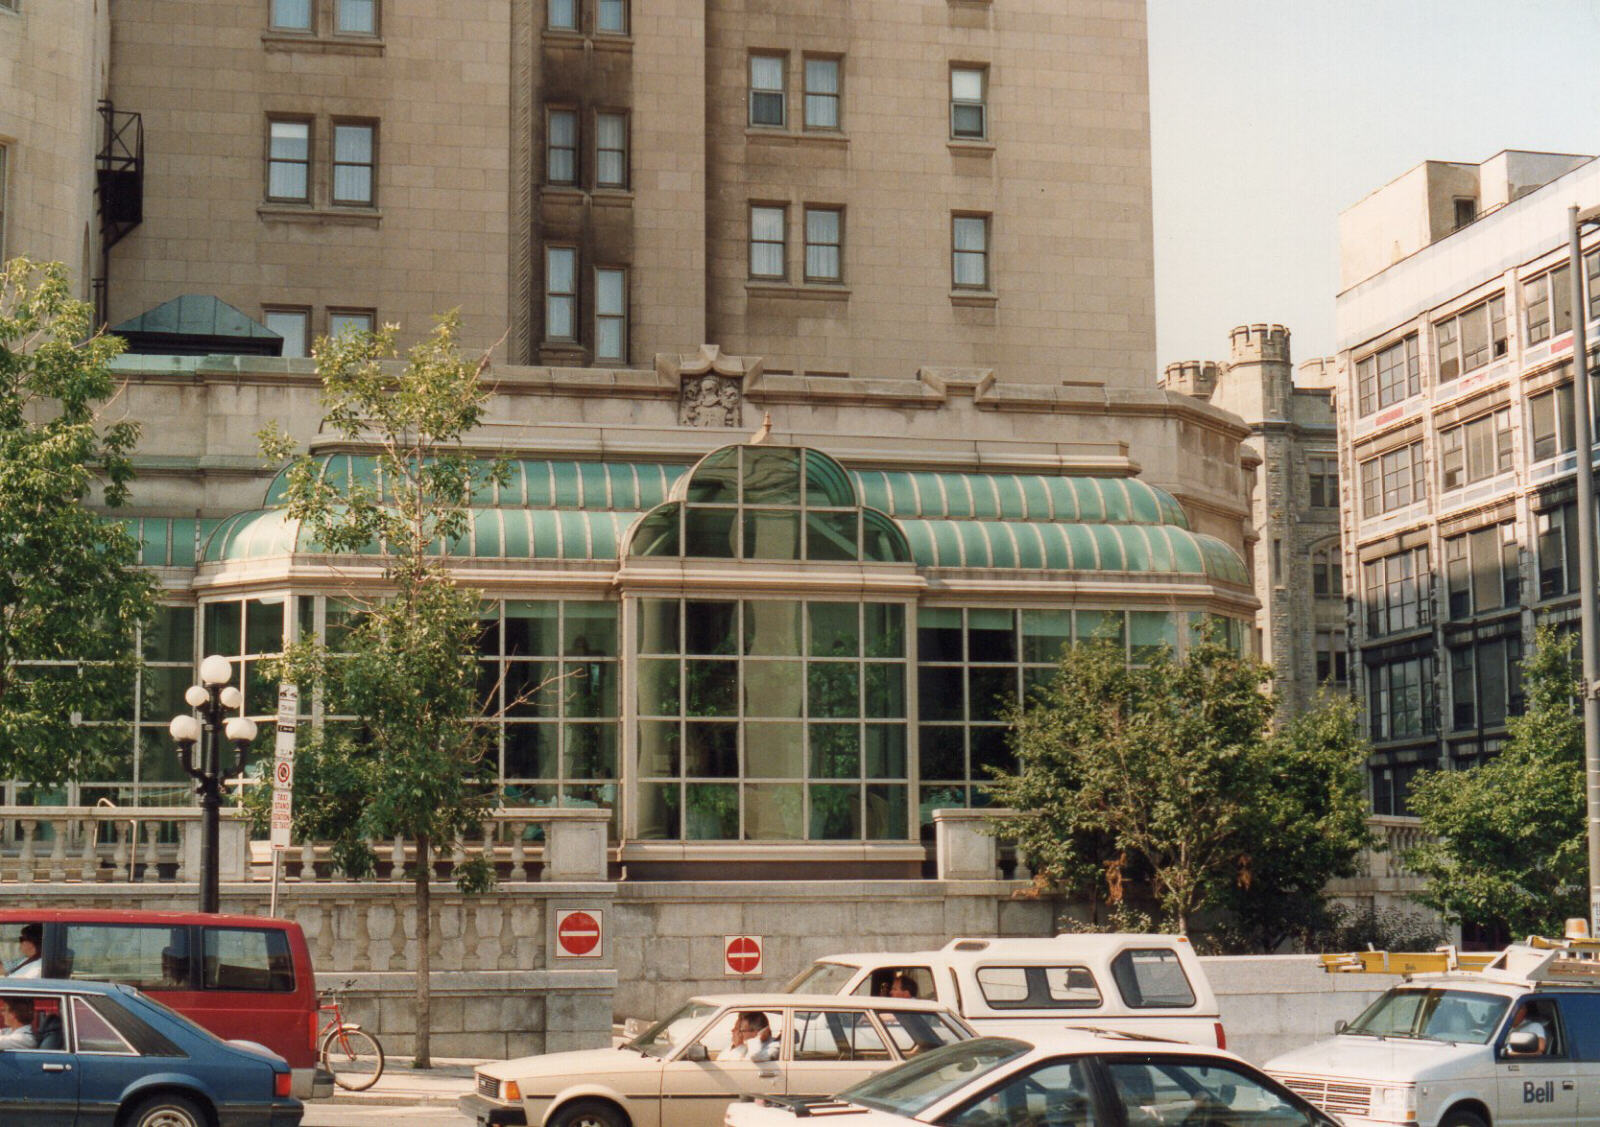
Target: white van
x=1145, y=984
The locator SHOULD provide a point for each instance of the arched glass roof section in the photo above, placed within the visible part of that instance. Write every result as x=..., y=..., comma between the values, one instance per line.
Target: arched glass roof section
x=1018, y=497
x=1032, y=546
x=769, y=475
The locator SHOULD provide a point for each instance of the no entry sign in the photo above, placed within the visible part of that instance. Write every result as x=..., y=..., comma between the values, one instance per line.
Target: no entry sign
x=578, y=934
x=741, y=955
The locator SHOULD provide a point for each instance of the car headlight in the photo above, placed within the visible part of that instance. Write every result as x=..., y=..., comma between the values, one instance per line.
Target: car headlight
x=1398, y=1102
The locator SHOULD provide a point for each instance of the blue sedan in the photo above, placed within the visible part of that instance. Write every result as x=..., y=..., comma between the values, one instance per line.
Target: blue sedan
x=83, y=1053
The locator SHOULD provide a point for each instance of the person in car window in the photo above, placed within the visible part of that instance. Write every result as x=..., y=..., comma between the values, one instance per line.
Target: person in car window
x=1529, y=1020
x=28, y=942
x=16, y=1018
x=752, y=1038
x=903, y=986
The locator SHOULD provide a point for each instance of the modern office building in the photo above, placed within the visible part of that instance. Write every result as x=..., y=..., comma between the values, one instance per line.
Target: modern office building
x=1456, y=441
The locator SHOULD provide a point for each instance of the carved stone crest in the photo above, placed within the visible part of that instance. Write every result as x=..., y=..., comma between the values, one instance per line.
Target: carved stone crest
x=711, y=389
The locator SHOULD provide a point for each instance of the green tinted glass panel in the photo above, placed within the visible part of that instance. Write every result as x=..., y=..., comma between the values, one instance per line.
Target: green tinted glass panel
x=591, y=751
x=709, y=533
x=835, y=629
x=835, y=751
x=835, y=812
x=170, y=635
x=222, y=628
x=1045, y=633
x=774, y=688
x=660, y=748
x=771, y=476
x=885, y=690
x=591, y=628
x=774, y=812
x=771, y=534
x=656, y=534
x=882, y=541
x=833, y=688
x=710, y=627
x=991, y=635
x=716, y=478
x=831, y=536
x=660, y=811
x=532, y=628
x=1096, y=625
x=263, y=628
x=991, y=692
x=774, y=750
x=658, y=626
x=885, y=629
x=533, y=688
x=711, y=688
x=884, y=746
x=939, y=692
x=711, y=750
x=531, y=751
x=161, y=692
x=659, y=683
x=939, y=634
x=589, y=688
x=1149, y=631
x=976, y=551
x=827, y=483
x=772, y=628
x=886, y=811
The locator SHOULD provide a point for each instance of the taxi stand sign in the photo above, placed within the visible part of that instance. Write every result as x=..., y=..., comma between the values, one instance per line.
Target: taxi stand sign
x=283, y=766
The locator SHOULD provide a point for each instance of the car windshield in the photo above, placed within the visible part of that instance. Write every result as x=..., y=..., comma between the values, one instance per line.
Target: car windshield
x=822, y=978
x=928, y=1077
x=665, y=1036
x=1460, y=1016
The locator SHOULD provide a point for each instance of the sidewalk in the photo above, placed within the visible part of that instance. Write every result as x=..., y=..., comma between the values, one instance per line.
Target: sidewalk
x=401, y=1084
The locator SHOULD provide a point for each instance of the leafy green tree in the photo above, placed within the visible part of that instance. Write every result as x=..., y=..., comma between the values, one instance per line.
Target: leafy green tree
x=413, y=762
x=72, y=593
x=1509, y=836
x=1169, y=774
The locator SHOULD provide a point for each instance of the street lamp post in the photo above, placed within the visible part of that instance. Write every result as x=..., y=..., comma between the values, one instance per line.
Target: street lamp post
x=1582, y=403
x=211, y=699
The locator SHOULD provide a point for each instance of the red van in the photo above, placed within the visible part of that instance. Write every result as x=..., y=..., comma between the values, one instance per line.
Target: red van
x=245, y=978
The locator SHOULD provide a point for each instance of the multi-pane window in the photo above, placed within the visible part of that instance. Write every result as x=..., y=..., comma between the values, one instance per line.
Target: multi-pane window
x=168, y=646
x=969, y=117
x=1393, y=480
x=610, y=314
x=1550, y=424
x=1327, y=573
x=294, y=326
x=969, y=252
x=1475, y=450
x=1332, y=658
x=560, y=293
x=1322, y=474
x=822, y=93
x=354, y=159
x=767, y=257
x=1471, y=339
x=562, y=15
x=1485, y=682
x=289, y=161
x=1591, y=272
x=1557, y=529
x=1389, y=375
x=248, y=632
x=611, y=150
x=766, y=90
x=1397, y=592
x=561, y=146
x=824, y=241
x=611, y=17
x=1483, y=571
x=342, y=322
x=1548, y=301
x=291, y=15
x=355, y=17
x=1401, y=698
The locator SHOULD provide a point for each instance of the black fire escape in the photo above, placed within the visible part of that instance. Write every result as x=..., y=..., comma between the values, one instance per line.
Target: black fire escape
x=119, y=186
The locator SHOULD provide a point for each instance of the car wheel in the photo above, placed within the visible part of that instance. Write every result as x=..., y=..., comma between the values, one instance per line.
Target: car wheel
x=167, y=1111
x=589, y=1113
x=1461, y=1118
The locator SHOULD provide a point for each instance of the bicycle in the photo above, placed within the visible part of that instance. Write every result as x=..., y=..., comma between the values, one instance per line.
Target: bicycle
x=354, y=1056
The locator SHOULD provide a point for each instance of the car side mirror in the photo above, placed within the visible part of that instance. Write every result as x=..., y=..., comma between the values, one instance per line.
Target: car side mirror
x=1340, y=1026
x=1522, y=1043
x=696, y=1052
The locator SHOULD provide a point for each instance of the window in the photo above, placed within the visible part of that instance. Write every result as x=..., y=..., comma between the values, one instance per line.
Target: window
x=1389, y=375
x=1557, y=529
x=354, y=159
x=1591, y=271
x=767, y=257
x=289, y=161
x=1332, y=658
x=293, y=325
x=1054, y=1091
x=824, y=238
x=1480, y=449
x=1485, y=682
x=1061, y=987
x=138, y=954
x=1470, y=339
x=1327, y=573
x=1323, y=477
x=562, y=15
x=1466, y=211
x=1551, y=423
x=969, y=118
x=1397, y=592
x=1483, y=571
x=1393, y=480
x=612, y=17
x=611, y=150
x=247, y=958
x=1227, y=1094
x=822, y=93
x=1152, y=978
x=610, y=314
x=1400, y=698
x=290, y=15
x=355, y=17
x=1548, y=301
x=766, y=90
x=969, y=252
x=561, y=147
x=560, y=293
x=345, y=321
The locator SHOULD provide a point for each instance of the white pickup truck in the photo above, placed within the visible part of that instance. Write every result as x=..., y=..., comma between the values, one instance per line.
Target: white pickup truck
x=1144, y=984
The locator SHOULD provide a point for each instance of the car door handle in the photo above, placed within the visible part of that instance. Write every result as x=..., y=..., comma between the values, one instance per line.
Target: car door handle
x=56, y=1067
x=1567, y=1085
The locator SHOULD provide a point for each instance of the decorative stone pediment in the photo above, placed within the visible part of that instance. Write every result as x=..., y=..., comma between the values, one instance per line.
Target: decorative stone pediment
x=711, y=386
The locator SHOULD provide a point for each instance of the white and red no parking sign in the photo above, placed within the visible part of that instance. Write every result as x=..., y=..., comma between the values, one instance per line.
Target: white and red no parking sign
x=579, y=933
x=742, y=955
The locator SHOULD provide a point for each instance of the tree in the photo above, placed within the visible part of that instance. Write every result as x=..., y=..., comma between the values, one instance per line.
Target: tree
x=1508, y=836
x=412, y=763
x=1168, y=774
x=72, y=594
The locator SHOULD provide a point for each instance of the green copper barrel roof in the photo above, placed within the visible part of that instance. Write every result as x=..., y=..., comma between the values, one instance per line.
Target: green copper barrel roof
x=1018, y=497
x=1035, y=546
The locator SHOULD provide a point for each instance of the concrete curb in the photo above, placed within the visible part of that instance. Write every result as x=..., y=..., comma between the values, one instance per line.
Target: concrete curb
x=401, y=1086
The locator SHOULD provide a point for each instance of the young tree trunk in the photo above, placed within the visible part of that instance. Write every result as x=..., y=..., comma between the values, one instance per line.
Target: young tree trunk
x=422, y=1057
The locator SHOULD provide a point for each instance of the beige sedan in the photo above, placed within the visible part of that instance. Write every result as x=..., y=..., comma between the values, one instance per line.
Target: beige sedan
x=684, y=1071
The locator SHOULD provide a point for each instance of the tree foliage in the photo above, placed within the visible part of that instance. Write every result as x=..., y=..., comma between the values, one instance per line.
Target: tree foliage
x=1168, y=774
x=72, y=593
x=1509, y=837
x=412, y=762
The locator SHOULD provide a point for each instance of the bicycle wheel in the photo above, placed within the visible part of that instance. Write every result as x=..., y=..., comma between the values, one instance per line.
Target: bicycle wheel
x=354, y=1056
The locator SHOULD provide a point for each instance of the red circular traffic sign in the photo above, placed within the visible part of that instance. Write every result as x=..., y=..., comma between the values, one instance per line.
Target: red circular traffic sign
x=744, y=954
x=578, y=933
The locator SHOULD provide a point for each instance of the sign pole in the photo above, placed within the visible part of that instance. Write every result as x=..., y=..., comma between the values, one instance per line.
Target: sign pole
x=283, y=781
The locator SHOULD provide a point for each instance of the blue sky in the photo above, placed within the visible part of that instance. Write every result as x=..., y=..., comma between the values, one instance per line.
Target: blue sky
x=1269, y=117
